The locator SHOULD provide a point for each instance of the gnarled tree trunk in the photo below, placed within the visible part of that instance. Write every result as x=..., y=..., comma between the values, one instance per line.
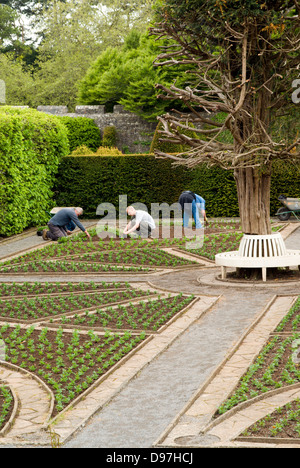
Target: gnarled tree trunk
x=253, y=188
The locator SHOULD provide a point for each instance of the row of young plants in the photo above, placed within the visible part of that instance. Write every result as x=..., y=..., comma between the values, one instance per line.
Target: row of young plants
x=291, y=322
x=46, y=266
x=121, y=252
x=283, y=423
x=6, y=404
x=151, y=257
x=217, y=243
x=276, y=367
x=69, y=363
x=44, y=306
x=144, y=315
x=36, y=288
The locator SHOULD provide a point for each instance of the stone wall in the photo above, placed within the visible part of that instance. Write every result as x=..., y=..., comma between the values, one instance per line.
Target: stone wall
x=133, y=133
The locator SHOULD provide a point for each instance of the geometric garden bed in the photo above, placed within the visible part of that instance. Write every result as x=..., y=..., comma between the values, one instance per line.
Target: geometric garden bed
x=253, y=397
x=70, y=361
x=71, y=336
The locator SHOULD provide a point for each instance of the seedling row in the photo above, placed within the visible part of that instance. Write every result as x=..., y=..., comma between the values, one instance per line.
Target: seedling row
x=36, y=288
x=69, y=363
x=37, y=308
x=145, y=315
x=6, y=404
x=276, y=367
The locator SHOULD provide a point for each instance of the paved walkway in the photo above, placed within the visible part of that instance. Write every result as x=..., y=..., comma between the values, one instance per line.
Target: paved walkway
x=146, y=409
x=34, y=406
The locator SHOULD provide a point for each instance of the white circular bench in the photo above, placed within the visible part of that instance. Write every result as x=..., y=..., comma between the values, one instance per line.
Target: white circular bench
x=267, y=251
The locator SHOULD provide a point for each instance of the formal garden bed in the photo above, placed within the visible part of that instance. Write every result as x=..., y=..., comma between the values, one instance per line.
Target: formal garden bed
x=216, y=243
x=149, y=316
x=276, y=368
x=6, y=405
x=83, y=331
x=69, y=363
x=38, y=308
x=71, y=335
x=69, y=268
x=37, y=288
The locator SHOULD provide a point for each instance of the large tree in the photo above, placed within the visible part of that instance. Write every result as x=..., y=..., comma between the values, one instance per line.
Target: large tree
x=244, y=58
x=126, y=75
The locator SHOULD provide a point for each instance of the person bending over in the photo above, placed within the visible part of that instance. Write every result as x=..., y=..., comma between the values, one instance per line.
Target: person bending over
x=58, y=224
x=141, y=222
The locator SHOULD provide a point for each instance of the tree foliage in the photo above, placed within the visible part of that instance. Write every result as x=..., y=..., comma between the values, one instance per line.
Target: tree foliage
x=127, y=76
x=247, y=55
x=243, y=58
x=66, y=37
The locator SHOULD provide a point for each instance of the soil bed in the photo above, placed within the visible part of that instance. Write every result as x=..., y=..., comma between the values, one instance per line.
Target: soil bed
x=28, y=289
x=69, y=363
x=291, y=322
x=283, y=423
x=48, y=306
x=275, y=367
x=217, y=243
x=145, y=257
x=148, y=316
x=6, y=404
x=61, y=267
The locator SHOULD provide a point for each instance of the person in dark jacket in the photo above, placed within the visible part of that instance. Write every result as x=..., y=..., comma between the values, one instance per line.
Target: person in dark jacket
x=58, y=224
x=190, y=204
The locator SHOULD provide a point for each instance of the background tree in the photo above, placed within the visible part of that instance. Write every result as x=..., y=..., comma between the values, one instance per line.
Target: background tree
x=246, y=54
x=9, y=30
x=59, y=40
x=126, y=75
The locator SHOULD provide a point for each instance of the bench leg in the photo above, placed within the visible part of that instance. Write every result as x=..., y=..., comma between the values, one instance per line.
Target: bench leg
x=223, y=272
x=264, y=274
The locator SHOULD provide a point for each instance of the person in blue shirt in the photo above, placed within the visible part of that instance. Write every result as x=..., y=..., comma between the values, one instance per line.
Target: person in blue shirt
x=191, y=205
x=58, y=225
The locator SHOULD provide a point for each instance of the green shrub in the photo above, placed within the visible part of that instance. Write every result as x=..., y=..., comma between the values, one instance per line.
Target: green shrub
x=31, y=146
x=90, y=180
x=82, y=150
x=109, y=136
x=82, y=131
x=111, y=151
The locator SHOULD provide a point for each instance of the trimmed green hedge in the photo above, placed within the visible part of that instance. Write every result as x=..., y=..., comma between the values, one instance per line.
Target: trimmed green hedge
x=88, y=181
x=82, y=131
x=31, y=146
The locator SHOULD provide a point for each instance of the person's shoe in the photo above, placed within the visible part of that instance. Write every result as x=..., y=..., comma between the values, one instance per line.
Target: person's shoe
x=39, y=233
x=45, y=237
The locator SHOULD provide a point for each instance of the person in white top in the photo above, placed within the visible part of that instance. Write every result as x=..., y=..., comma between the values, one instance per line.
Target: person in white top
x=141, y=222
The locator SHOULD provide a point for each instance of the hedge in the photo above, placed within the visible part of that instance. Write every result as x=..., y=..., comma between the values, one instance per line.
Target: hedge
x=88, y=181
x=31, y=146
x=82, y=131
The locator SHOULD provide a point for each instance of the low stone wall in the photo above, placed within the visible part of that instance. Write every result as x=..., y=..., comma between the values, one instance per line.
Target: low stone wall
x=133, y=132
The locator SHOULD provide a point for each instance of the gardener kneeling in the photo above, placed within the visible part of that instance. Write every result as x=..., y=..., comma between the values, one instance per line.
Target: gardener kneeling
x=141, y=222
x=58, y=224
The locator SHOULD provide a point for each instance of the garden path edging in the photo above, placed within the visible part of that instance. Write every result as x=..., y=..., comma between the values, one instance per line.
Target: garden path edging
x=78, y=416
x=195, y=418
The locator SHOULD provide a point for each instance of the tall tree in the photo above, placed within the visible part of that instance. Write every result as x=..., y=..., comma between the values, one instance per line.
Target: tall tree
x=9, y=30
x=126, y=75
x=75, y=33
x=246, y=54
